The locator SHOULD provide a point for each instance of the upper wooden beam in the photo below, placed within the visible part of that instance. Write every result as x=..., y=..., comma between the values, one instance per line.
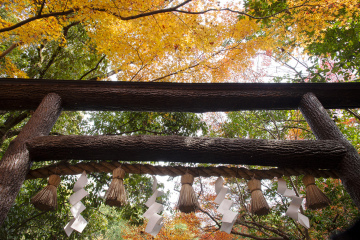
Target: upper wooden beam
x=20, y=94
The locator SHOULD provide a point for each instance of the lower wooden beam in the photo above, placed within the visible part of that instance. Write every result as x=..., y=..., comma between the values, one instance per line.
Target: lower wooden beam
x=298, y=154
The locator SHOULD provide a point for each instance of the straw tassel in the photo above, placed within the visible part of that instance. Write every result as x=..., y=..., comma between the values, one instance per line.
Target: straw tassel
x=259, y=206
x=46, y=199
x=187, y=201
x=315, y=198
x=116, y=194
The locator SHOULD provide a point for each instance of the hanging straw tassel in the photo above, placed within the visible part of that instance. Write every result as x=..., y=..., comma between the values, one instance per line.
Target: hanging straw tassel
x=116, y=194
x=187, y=201
x=259, y=206
x=46, y=199
x=315, y=198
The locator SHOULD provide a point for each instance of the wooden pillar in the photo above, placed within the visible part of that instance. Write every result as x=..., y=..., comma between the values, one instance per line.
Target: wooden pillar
x=324, y=128
x=16, y=163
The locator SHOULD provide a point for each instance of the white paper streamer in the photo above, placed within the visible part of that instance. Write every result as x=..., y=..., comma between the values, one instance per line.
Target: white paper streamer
x=293, y=209
x=152, y=199
x=221, y=195
x=68, y=229
x=219, y=184
x=283, y=190
x=228, y=221
x=155, y=208
x=78, y=223
x=77, y=196
x=229, y=217
x=155, y=220
x=154, y=225
x=224, y=206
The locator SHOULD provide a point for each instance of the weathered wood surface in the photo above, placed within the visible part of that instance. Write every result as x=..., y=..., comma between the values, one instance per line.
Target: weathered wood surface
x=19, y=94
x=324, y=128
x=15, y=163
x=302, y=154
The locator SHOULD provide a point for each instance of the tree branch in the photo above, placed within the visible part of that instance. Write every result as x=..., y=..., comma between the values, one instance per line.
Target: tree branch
x=244, y=13
x=136, y=130
x=19, y=24
x=254, y=237
x=70, y=11
x=27, y=220
x=93, y=69
x=292, y=68
x=11, y=122
x=166, y=10
x=174, y=73
x=57, y=51
x=357, y=116
x=41, y=8
x=7, y=51
x=297, y=127
x=271, y=229
x=109, y=74
x=274, y=122
x=212, y=218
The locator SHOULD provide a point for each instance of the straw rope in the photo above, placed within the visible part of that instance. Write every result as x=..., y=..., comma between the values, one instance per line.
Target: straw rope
x=64, y=168
x=116, y=194
x=188, y=202
x=259, y=206
x=315, y=198
x=46, y=199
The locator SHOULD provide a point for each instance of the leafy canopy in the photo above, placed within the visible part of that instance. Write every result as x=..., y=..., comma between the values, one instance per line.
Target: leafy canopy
x=142, y=40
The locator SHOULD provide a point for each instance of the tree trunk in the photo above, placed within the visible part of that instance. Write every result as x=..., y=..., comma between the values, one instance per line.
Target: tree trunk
x=301, y=154
x=324, y=128
x=15, y=163
x=18, y=94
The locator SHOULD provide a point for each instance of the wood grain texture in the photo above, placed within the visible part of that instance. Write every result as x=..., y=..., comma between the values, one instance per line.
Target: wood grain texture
x=15, y=163
x=325, y=128
x=20, y=94
x=302, y=154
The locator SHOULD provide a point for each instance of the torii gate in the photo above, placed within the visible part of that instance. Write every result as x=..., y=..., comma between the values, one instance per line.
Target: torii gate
x=49, y=97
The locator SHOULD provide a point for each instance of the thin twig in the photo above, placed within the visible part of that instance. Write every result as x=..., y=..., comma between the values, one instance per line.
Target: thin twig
x=9, y=50
x=357, y=116
x=93, y=69
x=212, y=218
x=41, y=8
x=27, y=220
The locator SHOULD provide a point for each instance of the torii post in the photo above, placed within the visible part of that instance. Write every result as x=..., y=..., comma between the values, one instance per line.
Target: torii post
x=16, y=163
x=324, y=128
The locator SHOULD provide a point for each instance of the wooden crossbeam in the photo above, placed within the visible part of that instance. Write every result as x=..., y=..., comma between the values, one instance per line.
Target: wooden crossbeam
x=20, y=94
x=323, y=154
